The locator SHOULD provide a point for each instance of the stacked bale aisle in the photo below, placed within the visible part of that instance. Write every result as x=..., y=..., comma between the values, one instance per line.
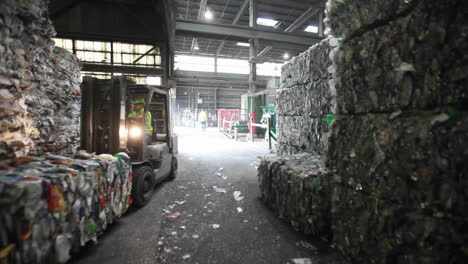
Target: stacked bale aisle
x=396, y=96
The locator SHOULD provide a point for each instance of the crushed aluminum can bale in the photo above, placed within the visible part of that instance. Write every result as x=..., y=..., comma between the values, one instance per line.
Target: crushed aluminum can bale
x=237, y=196
x=55, y=191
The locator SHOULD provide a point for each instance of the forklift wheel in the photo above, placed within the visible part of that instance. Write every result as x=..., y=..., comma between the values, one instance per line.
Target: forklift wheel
x=143, y=186
x=173, y=174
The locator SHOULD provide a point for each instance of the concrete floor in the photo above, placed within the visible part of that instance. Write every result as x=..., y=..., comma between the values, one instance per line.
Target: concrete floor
x=255, y=235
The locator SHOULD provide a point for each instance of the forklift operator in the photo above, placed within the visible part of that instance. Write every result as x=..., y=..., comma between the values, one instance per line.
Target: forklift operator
x=138, y=113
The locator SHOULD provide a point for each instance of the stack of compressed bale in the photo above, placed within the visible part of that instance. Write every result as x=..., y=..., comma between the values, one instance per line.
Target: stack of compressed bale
x=54, y=204
x=298, y=189
x=39, y=83
x=398, y=142
x=54, y=108
x=303, y=102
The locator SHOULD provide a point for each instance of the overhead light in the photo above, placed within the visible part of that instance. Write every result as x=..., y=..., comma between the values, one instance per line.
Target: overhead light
x=311, y=29
x=243, y=44
x=266, y=22
x=286, y=56
x=208, y=15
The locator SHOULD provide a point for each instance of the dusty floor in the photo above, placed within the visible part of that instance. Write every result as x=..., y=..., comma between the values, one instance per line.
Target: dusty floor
x=192, y=219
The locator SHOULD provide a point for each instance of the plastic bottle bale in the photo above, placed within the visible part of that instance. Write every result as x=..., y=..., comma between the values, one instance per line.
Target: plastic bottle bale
x=309, y=66
x=408, y=157
x=371, y=230
x=313, y=99
x=395, y=67
x=298, y=189
x=297, y=134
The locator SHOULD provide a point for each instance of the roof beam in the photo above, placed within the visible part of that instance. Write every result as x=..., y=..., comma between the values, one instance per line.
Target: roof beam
x=236, y=19
x=122, y=69
x=240, y=33
x=302, y=19
x=311, y=11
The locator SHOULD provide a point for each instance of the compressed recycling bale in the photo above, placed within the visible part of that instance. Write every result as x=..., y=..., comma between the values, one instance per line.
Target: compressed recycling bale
x=297, y=134
x=309, y=66
x=416, y=61
x=52, y=204
x=413, y=158
x=55, y=109
x=39, y=84
x=371, y=230
x=297, y=188
x=313, y=99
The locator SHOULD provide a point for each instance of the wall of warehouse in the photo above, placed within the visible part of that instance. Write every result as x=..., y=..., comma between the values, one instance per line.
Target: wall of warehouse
x=381, y=170
x=39, y=84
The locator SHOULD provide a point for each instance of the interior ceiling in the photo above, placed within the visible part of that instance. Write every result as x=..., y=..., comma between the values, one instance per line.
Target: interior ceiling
x=224, y=12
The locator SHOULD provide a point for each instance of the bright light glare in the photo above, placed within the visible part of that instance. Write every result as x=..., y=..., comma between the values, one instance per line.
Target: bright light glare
x=122, y=131
x=135, y=132
x=196, y=47
x=153, y=80
x=286, y=56
x=311, y=29
x=208, y=15
x=266, y=22
x=243, y=44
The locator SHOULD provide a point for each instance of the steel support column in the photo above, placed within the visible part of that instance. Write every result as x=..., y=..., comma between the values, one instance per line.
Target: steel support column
x=252, y=51
x=320, y=24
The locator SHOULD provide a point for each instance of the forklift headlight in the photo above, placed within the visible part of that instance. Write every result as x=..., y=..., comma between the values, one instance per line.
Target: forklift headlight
x=135, y=132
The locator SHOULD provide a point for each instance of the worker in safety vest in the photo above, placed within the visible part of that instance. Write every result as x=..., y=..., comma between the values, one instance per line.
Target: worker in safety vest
x=203, y=119
x=138, y=113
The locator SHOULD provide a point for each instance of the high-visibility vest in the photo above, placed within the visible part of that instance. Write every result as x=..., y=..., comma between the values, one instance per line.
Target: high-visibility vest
x=148, y=126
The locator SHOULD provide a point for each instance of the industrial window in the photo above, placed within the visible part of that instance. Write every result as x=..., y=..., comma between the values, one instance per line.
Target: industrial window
x=138, y=79
x=101, y=52
x=194, y=63
x=233, y=66
x=269, y=69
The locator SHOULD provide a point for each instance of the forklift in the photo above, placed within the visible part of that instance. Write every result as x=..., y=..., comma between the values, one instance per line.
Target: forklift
x=107, y=128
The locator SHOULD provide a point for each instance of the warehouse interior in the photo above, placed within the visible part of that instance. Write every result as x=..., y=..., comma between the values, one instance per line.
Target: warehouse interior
x=233, y=131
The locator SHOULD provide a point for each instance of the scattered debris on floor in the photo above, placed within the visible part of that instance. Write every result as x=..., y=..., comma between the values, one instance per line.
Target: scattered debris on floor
x=220, y=190
x=237, y=196
x=175, y=215
x=306, y=245
x=301, y=261
x=186, y=256
x=239, y=210
x=215, y=226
